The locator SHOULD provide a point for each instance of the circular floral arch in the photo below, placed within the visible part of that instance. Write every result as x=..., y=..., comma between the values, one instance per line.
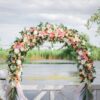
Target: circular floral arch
x=38, y=35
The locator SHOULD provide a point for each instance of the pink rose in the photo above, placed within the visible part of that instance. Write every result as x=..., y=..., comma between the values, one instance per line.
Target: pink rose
x=52, y=35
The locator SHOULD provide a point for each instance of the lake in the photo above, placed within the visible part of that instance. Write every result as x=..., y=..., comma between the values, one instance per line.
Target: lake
x=53, y=74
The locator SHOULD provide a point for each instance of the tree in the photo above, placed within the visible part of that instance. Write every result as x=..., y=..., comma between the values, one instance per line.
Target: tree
x=94, y=19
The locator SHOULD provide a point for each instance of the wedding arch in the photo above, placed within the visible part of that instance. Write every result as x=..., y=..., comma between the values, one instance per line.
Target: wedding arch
x=34, y=36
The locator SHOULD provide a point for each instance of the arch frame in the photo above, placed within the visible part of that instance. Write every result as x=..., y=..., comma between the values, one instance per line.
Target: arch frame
x=35, y=36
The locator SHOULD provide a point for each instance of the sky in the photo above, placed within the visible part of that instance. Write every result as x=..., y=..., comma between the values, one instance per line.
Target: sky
x=15, y=15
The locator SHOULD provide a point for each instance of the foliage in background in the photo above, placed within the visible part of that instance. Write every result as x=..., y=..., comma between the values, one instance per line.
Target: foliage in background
x=66, y=54
x=94, y=19
x=95, y=53
x=3, y=55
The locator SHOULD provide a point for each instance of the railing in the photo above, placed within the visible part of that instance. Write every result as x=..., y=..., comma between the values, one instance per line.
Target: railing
x=64, y=92
x=96, y=92
x=48, y=89
x=56, y=92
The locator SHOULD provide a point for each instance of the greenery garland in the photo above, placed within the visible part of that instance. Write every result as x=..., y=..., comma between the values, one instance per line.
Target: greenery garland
x=35, y=36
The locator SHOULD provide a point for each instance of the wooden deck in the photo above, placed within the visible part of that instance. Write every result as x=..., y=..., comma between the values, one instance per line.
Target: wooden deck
x=66, y=92
x=55, y=92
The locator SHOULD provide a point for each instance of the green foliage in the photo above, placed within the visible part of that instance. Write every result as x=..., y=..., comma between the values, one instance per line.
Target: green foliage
x=12, y=94
x=86, y=93
x=95, y=18
x=68, y=53
x=84, y=37
x=3, y=54
x=95, y=53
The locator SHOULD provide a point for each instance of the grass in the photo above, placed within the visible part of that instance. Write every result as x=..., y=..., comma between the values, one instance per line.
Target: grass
x=63, y=54
x=45, y=54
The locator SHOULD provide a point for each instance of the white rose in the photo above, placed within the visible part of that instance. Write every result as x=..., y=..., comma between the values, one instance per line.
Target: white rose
x=89, y=52
x=25, y=39
x=81, y=67
x=83, y=62
x=19, y=62
x=68, y=42
x=76, y=38
x=35, y=32
x=55, y=26
x=49, y=31
x=34, y=40
x=22, y=49
x=80, y=52
x=16, y=51
x=79, y=58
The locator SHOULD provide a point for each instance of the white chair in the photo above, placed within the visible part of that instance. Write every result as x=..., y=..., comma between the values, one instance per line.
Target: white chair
x=3, y=83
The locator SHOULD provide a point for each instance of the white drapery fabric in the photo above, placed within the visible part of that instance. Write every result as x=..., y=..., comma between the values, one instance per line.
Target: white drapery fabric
x=21, y=95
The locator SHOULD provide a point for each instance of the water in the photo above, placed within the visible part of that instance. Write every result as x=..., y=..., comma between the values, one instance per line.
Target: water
x=55, y=74
x=48, y=73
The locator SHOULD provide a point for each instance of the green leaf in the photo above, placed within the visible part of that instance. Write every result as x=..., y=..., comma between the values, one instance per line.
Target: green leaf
x=12, y=94
x=86, y=93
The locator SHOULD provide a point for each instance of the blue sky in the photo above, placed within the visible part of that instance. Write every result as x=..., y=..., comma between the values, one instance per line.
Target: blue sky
x=18, y=14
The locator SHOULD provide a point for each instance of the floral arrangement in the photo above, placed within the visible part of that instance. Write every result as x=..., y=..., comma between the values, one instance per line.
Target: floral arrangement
x=35, y=36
